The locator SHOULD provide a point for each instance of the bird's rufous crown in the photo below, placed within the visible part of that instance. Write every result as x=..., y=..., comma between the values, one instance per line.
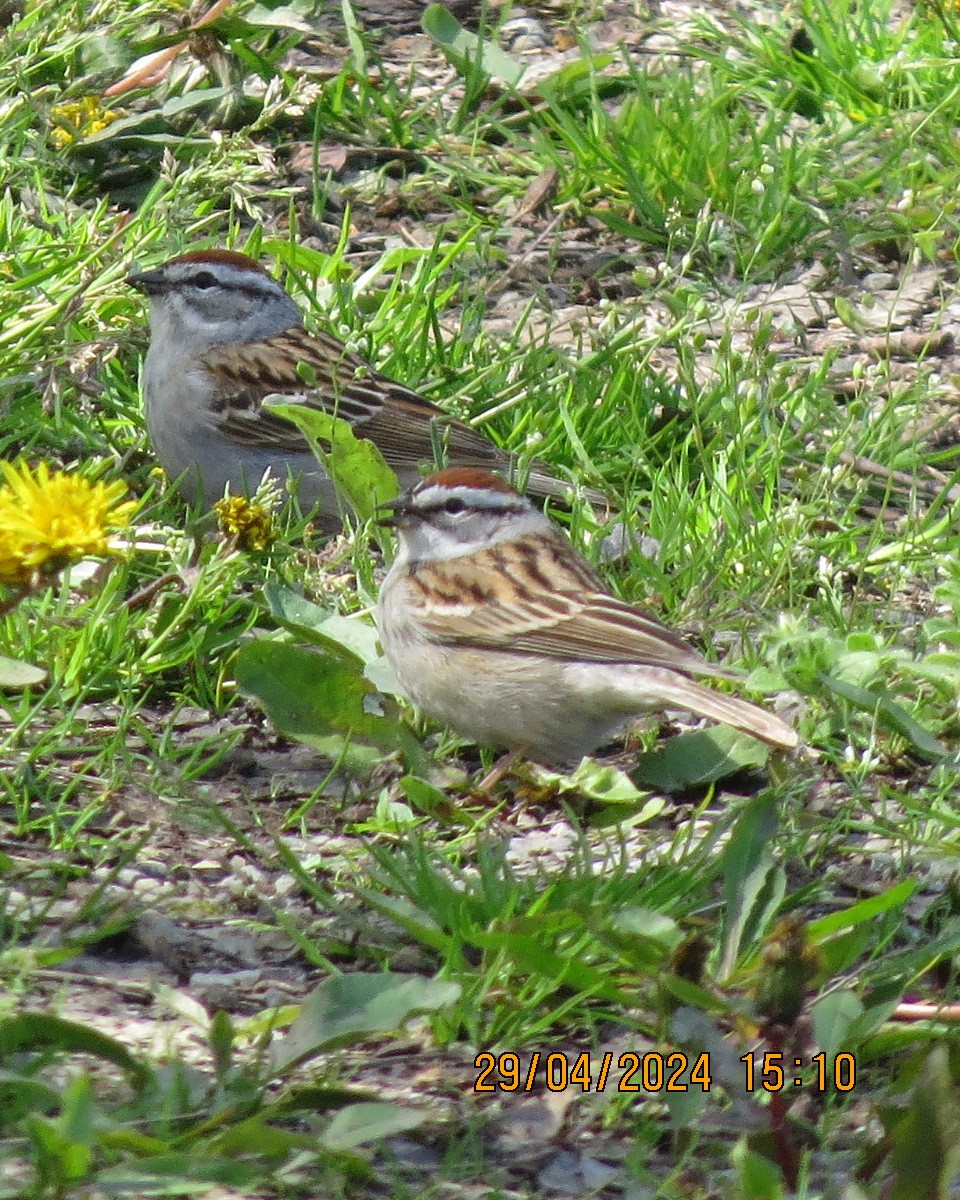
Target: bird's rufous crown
x=471, y=477
x=229, y=258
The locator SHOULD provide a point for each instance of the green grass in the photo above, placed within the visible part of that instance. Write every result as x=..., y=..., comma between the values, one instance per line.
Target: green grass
x=806, y=529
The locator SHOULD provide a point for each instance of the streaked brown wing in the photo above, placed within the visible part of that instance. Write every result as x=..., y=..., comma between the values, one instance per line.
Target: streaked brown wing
x=316, y=369
x=523, y=596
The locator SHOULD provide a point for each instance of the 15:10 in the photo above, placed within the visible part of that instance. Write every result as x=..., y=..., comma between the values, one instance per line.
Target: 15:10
x=840, y=1073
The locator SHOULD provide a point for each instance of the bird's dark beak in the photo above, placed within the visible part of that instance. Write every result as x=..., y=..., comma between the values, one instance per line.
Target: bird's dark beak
x=151, y=283
x=393, y=512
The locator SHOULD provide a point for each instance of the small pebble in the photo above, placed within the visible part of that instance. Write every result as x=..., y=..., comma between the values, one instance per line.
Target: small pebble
x=147, y=887
x=524, y=34
x=879, y=281
x=156, y=870
x=222, y=989
x=284, y=886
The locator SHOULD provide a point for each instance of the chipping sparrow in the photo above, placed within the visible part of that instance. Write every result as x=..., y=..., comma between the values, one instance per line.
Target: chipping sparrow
x=224, y=335
x=495, y=625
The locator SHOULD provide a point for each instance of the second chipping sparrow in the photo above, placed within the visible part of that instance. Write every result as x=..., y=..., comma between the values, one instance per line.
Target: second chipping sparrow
x=495, y=625
x=223, y=336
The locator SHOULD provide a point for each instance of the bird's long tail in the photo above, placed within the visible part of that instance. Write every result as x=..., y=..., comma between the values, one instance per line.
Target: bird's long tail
x=542, y=485
x=677, y=691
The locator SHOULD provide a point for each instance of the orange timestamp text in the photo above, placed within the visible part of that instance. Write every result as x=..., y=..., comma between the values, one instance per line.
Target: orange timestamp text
x=657, y=1071
x=630, y=1072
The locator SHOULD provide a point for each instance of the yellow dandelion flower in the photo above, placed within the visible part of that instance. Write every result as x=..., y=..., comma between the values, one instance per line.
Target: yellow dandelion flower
x=249, y=523
x=79, y=120
x=49, y=519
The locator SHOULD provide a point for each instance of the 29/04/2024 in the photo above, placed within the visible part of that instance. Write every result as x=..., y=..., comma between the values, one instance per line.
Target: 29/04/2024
x=655, y=1071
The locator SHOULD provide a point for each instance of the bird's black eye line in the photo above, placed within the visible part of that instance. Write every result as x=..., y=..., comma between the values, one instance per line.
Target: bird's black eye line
x=204, y=279
x=453, y=505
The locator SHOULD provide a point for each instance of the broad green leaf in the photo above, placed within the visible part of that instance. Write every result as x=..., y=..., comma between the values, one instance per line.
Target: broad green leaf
x=21, y=1094
x=195, y=99
x=648, y=923
x=150, y=122
x=293, y=608
x=305, y=618
x=101, y=53
x=132, y=1141
x=391, y=814
x=463, y=48
x=643, y=937
x=382, y=676
x=756, y=1176
x=873, y=1025
x=603, y=783
x=270, y=1141
x=580, y=78
x=842, y=937
x=694, y=759
x=833, y=1016
x=36, y=1032
x=863, y=910
x=77, y=1111
x=371, y=1122
x=359, y=471
x=753, y=883
x=267, y=1021
x=315, y=1098
x=278, y=17
x=349, y=1008
x=693, y=995
x=177, y=1174
x=888, y=713
x=839, y=953
x=426, y=797
x=321, y=697
x=926, y=1142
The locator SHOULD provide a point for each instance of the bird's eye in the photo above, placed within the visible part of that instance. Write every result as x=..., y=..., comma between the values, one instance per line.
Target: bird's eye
x=205, y=279
x=453, y=505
